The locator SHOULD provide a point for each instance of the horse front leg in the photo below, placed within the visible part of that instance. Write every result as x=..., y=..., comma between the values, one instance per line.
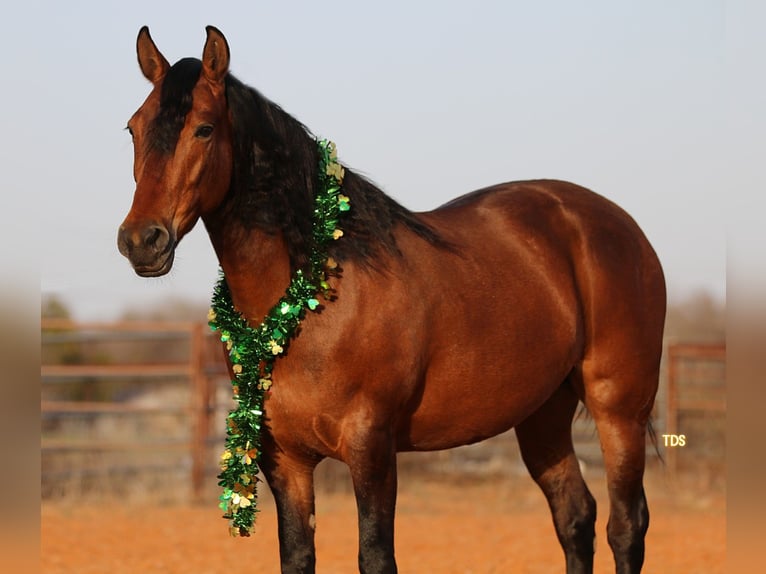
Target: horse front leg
x=373, y=472
x=291, y=480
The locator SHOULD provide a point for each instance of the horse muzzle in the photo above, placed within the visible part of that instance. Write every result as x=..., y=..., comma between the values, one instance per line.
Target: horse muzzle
x=150, y=248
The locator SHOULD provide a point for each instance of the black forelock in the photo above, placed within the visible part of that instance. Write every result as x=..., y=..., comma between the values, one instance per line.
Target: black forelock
x=175, y=103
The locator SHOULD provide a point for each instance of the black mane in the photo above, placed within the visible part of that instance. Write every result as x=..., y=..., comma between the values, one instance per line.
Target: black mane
x=274, y=178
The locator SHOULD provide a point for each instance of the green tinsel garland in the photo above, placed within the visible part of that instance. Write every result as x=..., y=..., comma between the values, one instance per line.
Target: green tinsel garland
x=254, y=350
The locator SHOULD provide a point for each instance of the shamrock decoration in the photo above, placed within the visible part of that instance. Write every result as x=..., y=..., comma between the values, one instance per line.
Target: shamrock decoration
x=253, y=350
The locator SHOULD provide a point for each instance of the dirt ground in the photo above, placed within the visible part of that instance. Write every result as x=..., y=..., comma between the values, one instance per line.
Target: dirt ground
x=447, y=528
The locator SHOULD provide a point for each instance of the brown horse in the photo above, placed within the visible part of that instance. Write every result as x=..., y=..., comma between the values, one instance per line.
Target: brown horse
x=503, y=308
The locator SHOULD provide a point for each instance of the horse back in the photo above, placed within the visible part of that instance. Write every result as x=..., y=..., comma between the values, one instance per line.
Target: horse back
x=586, y=248
x=559, y=227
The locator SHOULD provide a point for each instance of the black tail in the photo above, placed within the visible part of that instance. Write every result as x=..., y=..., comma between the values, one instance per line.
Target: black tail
x=655, y=442
x=583, y=413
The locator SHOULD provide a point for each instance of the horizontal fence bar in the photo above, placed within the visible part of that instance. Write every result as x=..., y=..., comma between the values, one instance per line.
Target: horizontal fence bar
x=68, y=445
x=713, y=352
x=702, y=405
x=132, y=326
x=115, y=371
x=100, y=337
x=93, y=407
x=111, y=470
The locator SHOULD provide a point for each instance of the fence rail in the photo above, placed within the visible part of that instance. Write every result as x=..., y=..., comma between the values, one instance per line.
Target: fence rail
x=116, y=371
x=203, y=376
x=199, y=370
x=695, y=384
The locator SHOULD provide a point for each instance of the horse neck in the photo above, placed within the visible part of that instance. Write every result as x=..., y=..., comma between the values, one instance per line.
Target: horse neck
x=256, y=265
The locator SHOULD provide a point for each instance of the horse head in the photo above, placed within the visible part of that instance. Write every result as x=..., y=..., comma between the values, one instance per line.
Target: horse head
x=182, y=151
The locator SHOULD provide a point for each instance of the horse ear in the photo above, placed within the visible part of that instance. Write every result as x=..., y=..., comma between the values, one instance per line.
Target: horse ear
x=153, y=64
x=215, y=56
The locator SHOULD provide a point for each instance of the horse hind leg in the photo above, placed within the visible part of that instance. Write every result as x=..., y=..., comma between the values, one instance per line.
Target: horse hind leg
x=621, y=407
x=545, y=439
x=623, y=445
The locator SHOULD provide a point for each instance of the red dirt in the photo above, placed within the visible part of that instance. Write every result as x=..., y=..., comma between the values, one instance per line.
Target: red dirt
x=490, y=527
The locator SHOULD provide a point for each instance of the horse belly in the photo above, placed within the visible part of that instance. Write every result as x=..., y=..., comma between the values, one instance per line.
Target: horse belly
x=499, y=348
x=476, y=396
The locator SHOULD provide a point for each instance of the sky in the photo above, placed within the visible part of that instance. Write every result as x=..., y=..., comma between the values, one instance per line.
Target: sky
x=655, y=104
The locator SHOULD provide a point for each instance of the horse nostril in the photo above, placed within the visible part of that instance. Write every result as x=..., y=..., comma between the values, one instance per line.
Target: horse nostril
x=156, y=237
x=133, y=242
x=124, y=241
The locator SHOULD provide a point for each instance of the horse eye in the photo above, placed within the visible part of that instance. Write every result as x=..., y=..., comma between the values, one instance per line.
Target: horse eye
x=204, y=131
x=130, y=130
